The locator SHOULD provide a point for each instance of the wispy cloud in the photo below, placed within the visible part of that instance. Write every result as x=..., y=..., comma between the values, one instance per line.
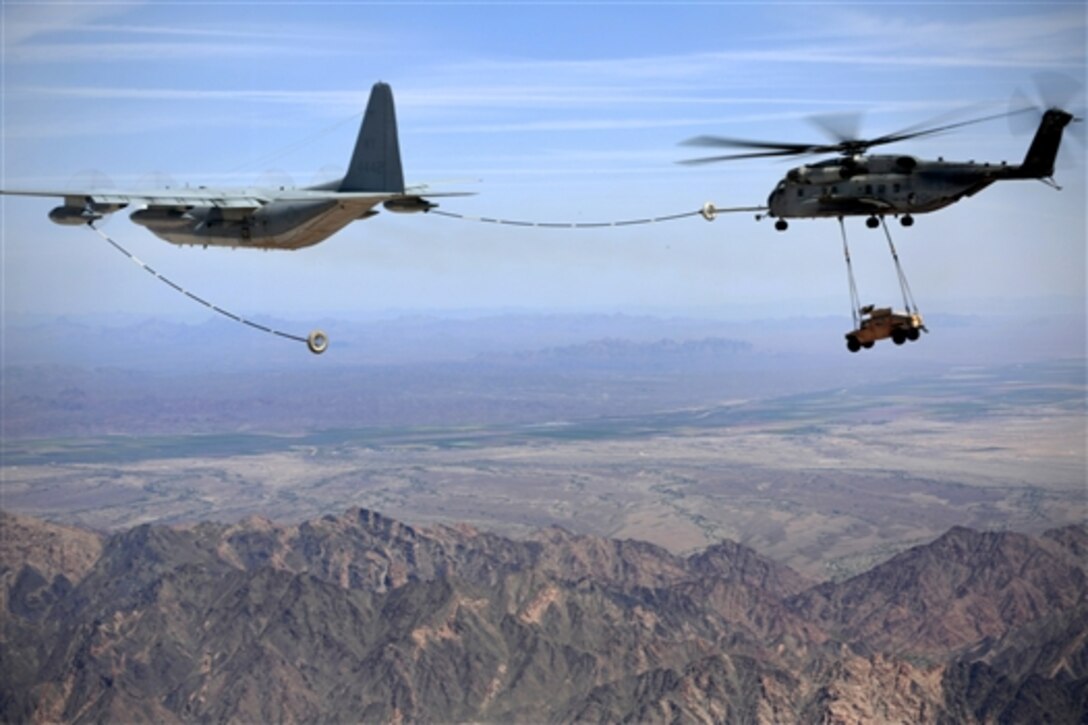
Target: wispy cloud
x=131, y=93
x=244, y=33
x=1056, y=34
x=127, y=51
x=451, y=95
x=109, y=124
x=78, y=32
x=25, y=21
x=845, y=36
x=485, y=97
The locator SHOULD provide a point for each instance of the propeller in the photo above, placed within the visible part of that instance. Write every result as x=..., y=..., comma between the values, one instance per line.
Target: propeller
x=1051, y=91
x=327, y=174
x=840, y=126
x=92, y=180
x=274, y=179
x=157, y=180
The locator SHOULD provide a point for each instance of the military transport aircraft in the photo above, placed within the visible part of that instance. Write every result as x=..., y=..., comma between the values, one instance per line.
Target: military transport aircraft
x=266, y=218
x=856, y=184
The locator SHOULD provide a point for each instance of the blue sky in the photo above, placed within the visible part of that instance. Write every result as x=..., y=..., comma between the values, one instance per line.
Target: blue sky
x=548, y=111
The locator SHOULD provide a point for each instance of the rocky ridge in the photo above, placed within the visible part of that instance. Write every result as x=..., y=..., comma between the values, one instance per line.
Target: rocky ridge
x=359, y=617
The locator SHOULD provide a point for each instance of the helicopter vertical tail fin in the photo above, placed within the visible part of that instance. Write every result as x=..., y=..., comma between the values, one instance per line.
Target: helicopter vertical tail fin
x=1039, y=161
x=375, y=164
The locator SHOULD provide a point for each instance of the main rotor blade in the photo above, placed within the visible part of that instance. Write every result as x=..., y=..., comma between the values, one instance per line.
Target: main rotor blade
x=908, y=134
x=843, y=127
x=734, y=157
x=1021, y=123
x=726, y=142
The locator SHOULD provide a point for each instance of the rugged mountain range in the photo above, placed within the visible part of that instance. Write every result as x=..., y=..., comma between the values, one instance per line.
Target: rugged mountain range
x=362, y=618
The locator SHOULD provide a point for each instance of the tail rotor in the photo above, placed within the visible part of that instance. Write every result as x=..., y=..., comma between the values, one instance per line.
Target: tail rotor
x=1052, y=92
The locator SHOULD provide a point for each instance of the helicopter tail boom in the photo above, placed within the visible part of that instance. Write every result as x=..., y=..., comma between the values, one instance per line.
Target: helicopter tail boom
x=1039, y=160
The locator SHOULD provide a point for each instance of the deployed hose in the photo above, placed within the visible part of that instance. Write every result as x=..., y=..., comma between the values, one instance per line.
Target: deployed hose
x=317, y=341
x=708, y=211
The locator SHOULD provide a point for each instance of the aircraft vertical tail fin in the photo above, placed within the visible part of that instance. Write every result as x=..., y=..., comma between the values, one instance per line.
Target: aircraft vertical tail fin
x=375, y=165
x=1039, y=161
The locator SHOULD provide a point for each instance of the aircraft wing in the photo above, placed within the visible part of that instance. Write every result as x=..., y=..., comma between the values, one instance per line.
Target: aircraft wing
x=221, y=198
x=238, y=199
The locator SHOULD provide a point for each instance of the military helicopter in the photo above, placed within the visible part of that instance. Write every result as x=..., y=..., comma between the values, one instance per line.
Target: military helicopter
x=856, y=184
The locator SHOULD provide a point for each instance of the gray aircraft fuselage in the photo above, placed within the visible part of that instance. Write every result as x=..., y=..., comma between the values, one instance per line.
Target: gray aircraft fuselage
x=277, y=225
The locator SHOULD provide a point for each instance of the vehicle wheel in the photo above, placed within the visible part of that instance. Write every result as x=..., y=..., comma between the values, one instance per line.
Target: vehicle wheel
x=907, y=220
x=899, y=337
x=912, y=334
x=868, y=345
x=781, y=225
x=872, y=222
x=852, y=344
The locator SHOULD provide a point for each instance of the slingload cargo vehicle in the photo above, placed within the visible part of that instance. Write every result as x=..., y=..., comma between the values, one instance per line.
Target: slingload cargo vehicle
x=881, y=322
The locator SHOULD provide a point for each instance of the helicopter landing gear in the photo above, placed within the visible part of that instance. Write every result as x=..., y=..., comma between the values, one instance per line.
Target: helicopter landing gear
x=781, y=225
x=906, y=220
x=872, y=222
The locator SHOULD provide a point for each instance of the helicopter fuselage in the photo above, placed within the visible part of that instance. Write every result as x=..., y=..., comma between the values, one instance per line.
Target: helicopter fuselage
x=881, y=185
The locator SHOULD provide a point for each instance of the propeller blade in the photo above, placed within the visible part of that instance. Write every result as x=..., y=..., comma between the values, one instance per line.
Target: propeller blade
x=156, y=180
x=92, y=180
x=326, y=174
x=1055, y=90
x=275, y=179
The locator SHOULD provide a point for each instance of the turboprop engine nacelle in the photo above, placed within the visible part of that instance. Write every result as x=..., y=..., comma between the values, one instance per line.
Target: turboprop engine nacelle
x=161, y=217
x=73, y=215
x=409, y=205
